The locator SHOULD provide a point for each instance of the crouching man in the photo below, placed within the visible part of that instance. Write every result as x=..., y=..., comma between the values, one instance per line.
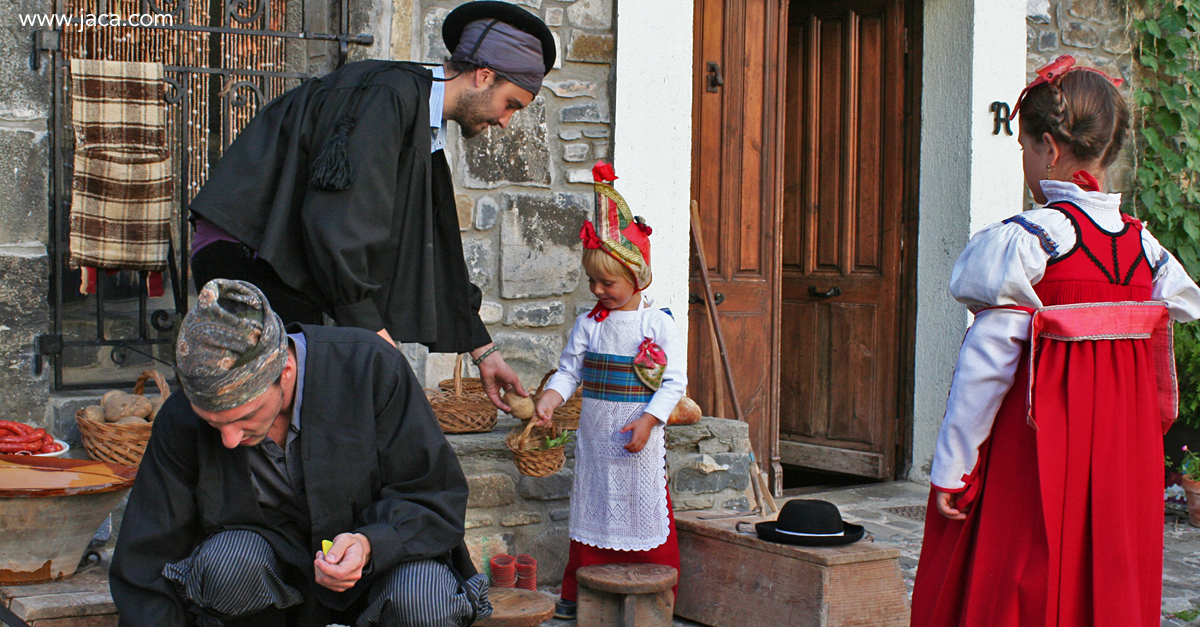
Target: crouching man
x=279, y=440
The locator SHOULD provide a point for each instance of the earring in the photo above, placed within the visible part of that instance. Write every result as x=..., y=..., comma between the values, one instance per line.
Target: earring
x=1049, y=167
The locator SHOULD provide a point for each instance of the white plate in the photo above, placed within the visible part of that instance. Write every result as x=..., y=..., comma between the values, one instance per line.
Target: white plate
x=65, y=447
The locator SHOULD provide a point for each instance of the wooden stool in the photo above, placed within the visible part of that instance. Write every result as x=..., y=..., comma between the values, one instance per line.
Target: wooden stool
x=516, y=607
x=626, y=595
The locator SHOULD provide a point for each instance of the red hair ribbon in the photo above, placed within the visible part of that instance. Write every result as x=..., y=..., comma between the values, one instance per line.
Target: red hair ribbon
x=603, y=172
x=589, y=236
x=1085, y=181
x=1054, y=70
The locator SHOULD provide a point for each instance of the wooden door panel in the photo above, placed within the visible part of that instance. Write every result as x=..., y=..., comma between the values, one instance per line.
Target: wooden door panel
x=841, y=239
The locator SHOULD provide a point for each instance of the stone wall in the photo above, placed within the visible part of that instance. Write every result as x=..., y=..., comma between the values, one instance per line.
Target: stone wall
x=707, y=466
x=523, y=192
x=1095, y=32
x=24, y=209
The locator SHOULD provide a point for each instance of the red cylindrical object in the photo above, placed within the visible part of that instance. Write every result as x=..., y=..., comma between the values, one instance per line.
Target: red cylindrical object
x=504, y=571
x=526, y=572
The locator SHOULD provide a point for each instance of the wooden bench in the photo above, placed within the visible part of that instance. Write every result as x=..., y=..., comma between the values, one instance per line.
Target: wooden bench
x=81, y=600
x=626, y=595
x=730, y=579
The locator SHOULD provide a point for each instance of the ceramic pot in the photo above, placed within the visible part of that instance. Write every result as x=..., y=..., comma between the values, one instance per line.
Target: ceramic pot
x=1191, y=487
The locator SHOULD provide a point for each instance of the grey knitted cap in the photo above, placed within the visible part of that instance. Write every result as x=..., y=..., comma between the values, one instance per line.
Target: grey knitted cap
x=231, y=346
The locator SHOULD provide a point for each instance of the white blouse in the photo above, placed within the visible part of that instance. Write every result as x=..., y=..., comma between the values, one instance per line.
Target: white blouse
x=1000, y=266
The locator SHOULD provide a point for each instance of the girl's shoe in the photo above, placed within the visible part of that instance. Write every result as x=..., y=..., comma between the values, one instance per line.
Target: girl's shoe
x=564, y=609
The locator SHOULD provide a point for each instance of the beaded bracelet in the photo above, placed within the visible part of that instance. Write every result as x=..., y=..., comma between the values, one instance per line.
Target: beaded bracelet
x=484, y=356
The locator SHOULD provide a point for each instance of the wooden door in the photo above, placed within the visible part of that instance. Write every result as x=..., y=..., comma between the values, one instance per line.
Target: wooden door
x=842, y=237
x=734, y=163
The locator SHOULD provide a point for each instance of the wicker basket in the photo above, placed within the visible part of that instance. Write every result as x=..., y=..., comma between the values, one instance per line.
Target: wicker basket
x=566, y=416
x=531, y=460
x=120, y=444
x=460, y=409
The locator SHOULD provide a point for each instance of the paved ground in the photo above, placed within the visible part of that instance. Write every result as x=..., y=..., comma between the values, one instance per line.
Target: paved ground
x=894, y=514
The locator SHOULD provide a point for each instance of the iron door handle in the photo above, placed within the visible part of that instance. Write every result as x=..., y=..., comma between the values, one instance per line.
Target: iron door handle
x=833, y=291
x=696, y=299
x=715, y=80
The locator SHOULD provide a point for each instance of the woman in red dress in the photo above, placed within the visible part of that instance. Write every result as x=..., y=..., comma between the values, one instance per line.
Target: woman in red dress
x=1046, y=504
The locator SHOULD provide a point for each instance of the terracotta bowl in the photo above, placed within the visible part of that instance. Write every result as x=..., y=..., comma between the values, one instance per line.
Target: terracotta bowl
x=50, y=508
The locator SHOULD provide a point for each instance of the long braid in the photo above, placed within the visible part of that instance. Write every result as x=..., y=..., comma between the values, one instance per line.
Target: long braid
x=1059, y=115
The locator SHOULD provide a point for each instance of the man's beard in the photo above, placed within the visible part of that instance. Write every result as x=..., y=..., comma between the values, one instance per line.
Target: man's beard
x=467, y=111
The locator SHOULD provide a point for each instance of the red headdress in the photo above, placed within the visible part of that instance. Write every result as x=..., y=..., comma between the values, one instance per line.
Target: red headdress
x=1055, y=70
x=617, y=231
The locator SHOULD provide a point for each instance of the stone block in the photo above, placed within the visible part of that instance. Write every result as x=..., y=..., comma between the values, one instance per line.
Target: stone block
x=24, y=314
x=416, y=354
x=575, y=153
x=591, y=112
x=556, y=486
x=539, y=244
x=486, y=211
x=465, y=206
x=1117, y=42
x=692, y=503
x=1038, y=11
x=538, y=314
x=1080, y=35
x=536, y=4
x=520, y=519
x=549, y=547
x=490, y=489
x=712, y=473
x=1100, y=11
x=579, y=176
x=26, y=93
x=60, y=417
x=571, y=88
x=433, y=48
x=740, y=504
x=554, y=16
x=590, y=48
x=475, y=521
x=601, y=150
x=518, y=154
x=560, y=514
x=593, y=14
x=483, y=546
x=491, y=312
x=529, y=354
x=570, y=135
x=583, y=308
x=595, y=133
x=481, y=262
x=1047, y=42
x=24, y=158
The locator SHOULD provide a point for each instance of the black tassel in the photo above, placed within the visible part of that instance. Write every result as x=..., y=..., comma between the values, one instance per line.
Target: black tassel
x=331, y=170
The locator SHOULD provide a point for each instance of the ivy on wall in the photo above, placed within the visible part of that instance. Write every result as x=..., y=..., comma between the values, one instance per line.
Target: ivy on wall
x=1167, y=47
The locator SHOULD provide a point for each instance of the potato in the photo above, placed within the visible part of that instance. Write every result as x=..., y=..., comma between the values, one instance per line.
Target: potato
x=132, y=420
x=522, y=406
x=156, y=404
x=686, y=412
x=122, y=405
x=95, y=413
x=109, y=394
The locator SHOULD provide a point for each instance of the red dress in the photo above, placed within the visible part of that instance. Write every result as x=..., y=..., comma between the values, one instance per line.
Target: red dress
x=1065, y=526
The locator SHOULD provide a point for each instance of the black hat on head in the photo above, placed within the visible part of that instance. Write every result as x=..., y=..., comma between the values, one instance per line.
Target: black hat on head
x=809, y=523
x=510, y=14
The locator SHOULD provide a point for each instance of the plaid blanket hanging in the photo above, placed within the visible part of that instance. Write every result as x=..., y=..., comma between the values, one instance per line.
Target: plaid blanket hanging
x=123, y=190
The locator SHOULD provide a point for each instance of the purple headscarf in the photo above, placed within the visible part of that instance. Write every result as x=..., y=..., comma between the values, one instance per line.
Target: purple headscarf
x=511, y=53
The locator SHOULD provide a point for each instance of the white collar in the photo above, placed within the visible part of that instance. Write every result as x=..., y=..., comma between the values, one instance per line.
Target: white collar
x=437, y=104
x=1088, y=201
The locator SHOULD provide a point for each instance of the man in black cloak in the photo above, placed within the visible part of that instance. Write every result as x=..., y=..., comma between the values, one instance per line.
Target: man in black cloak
x=279, y=440
x=337, y=198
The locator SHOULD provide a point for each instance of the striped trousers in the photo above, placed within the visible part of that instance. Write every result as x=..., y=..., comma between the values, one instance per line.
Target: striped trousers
x=235, y=575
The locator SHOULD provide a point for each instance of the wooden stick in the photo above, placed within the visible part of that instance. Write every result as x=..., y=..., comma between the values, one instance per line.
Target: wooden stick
x=764, y=503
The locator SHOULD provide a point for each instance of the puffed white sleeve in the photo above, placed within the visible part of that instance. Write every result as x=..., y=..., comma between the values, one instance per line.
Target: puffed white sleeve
x=570, y=364
x=987, y=363
x=1172, y=284
x=1002, y=263
x=674, y=382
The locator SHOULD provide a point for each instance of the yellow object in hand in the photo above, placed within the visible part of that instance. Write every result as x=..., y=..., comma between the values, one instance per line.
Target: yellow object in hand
x=325, y=546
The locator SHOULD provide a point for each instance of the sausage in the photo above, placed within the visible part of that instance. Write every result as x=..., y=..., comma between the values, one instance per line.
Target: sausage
x=16, y=427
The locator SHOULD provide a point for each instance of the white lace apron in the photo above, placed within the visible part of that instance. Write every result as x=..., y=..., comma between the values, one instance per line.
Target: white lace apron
x=620, y=498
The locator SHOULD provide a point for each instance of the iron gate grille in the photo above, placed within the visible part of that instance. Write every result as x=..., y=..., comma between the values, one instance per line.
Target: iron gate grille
x=223, y=59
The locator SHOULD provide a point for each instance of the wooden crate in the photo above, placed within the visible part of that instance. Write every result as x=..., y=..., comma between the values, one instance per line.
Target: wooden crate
x=81, y=600
x=728, y=579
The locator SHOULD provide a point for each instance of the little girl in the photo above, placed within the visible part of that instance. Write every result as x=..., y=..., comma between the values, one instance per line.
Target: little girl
x=628, y=359
x=1046, y=505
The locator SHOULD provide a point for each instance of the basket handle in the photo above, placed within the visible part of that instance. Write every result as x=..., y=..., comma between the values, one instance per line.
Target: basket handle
x=530, y=424
x=159, y=380
x=458, y=375
x=542, y=386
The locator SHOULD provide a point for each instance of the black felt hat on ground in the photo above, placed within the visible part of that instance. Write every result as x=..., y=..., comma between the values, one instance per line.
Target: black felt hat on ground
x=510, y=14
x=809, y=523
